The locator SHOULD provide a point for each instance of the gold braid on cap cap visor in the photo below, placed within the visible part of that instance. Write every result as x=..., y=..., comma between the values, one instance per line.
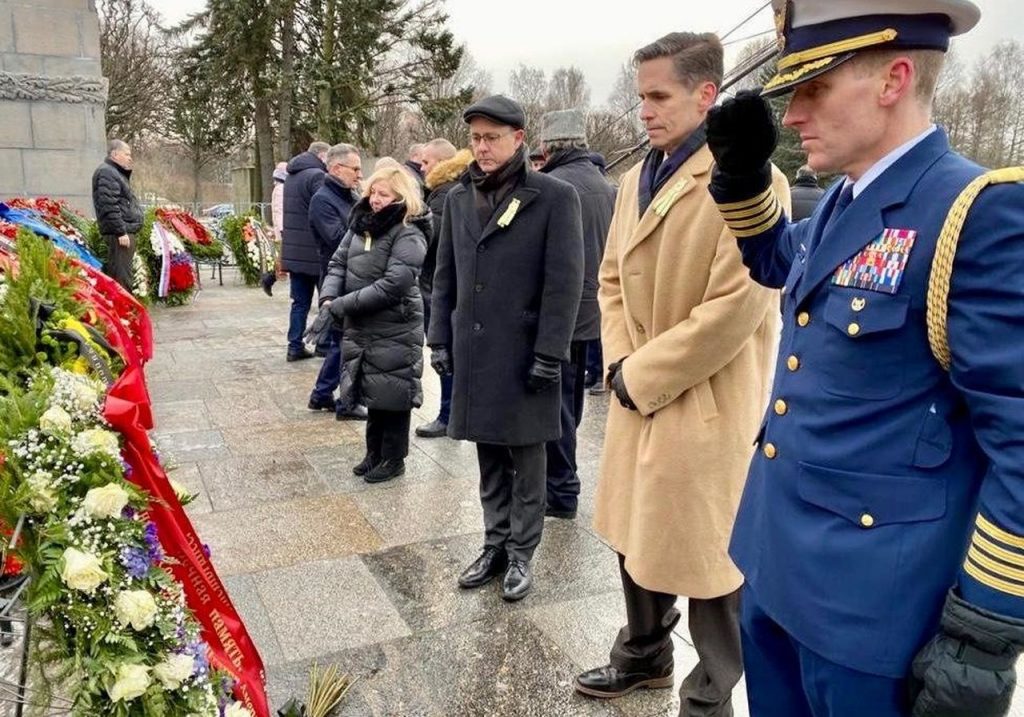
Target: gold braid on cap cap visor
x=797, y=74
x=837, y=48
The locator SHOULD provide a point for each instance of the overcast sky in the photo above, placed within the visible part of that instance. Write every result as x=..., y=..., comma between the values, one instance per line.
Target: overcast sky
x=553, y=33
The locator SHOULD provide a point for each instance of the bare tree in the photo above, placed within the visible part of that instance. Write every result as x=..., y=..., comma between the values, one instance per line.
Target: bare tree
x=529, y=86
x=135, y=57
x=441, y=108
x=568, y=89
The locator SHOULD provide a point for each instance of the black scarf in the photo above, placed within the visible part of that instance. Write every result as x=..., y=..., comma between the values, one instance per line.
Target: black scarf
x=491, y=189
x=658, y=168
x=376, y=224
x=563, y=157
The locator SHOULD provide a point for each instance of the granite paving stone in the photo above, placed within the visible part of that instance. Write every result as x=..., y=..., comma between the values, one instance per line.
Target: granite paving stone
x=291, y=435
x=250, y=410
x=181, y=417
x=188, y=446
x=333, y=464
x=264, y=479
x=261, y=537
x=321, y=607
x=246, y=599
x=188, y=475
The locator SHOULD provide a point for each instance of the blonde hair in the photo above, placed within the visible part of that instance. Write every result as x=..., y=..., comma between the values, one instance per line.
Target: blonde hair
x=401, y=183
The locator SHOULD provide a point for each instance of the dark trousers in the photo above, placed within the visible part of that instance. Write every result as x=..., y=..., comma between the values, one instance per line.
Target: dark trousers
x=446, y=381
x=563, y=481
x=595, y=362
x=387, y=434
x=645, y=645
x=301, y=288
x=785, y=679
x=331, y=370
x=512, y=496
x=119, y=263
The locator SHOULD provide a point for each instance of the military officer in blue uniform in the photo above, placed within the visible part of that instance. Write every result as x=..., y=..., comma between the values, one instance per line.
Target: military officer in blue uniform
x=881, y=531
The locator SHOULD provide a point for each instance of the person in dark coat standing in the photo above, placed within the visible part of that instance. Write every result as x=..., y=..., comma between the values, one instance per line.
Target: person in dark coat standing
x=299, y=253
x=567, y=157
x=118, y=213
x=506, y=289
x=805, y=193
x=443, y=166
x=329, y=211
x=372, y=286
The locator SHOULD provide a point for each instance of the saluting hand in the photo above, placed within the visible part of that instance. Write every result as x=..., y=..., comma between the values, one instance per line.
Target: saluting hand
x=742, y=134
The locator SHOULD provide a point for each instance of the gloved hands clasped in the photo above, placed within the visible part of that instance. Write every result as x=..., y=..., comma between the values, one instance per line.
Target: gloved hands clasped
x=317, y=332
x=967, y=670
x=617, y=382
x=544, y=373
x=441, y=360
x=742, y=137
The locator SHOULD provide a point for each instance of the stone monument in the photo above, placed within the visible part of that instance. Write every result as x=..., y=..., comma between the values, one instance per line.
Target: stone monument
x=52, y=99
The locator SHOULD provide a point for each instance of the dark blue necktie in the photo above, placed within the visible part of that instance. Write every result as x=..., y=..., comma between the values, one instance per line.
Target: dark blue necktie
x=844, y=201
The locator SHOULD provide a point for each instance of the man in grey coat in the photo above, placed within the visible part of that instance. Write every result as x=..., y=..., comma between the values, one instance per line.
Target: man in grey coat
x=567, y=157
x=118, y=214
x=506, y=290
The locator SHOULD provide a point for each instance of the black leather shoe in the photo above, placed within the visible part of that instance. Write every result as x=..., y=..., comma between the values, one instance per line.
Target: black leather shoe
x=356, y=413
x=598, y=389
x=609, y=682
x=434, y=429
x=385, y=470
x=321, y=352
x=518, y=581
x=363, y=467
x=491, y=563
x=267, y=281
x=299, y=355
x=563, y=514
x=321, y=404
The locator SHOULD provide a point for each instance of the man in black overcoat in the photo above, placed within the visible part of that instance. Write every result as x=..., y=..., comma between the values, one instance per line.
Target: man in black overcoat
x=507, y=287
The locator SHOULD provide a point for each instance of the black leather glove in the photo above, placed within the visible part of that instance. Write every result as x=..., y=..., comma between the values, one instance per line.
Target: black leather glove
x=967, y=670
x=742, y=137
x=337, y=309
x=618, y=384
x=317, y=332
x=544, y=373
x=441, y=360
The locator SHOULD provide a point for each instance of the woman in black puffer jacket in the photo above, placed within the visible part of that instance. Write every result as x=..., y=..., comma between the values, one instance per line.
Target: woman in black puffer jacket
x=372, y=285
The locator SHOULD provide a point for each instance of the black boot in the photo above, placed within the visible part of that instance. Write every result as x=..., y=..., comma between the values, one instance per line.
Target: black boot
x=609, y=682
x=267, y=281
x=385, y=470
x=491, y=563
x=363, y=467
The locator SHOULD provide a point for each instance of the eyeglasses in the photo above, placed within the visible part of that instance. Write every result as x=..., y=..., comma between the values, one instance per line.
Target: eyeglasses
x=488, y=139
x=349, y=166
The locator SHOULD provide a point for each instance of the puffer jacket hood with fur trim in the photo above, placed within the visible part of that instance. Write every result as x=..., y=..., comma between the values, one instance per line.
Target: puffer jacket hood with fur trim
x=449, y=170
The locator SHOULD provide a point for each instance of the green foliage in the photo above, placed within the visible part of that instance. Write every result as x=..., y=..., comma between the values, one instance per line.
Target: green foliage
x=234, y=235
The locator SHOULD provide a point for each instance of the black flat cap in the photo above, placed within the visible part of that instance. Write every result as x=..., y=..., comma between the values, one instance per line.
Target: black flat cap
x=497, y=108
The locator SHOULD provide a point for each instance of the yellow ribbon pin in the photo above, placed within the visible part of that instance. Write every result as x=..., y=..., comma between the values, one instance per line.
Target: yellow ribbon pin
x=509, y=214
x=662, y=206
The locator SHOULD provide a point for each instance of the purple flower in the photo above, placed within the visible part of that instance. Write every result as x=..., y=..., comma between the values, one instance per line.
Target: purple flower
x=128, y=513
x=156, y=554
x=135, y=561
x=206, y=550
x=198, y=650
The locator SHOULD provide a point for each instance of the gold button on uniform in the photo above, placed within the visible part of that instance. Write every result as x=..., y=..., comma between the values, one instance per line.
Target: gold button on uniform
x=853, y=329
x=769, y=451
x=859, y=303
x=781, y=408
x=792, y=363
x=804, y=318
x=867, y=520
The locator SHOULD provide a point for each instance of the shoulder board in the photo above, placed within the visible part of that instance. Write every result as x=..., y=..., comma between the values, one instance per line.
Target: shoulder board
x=945, y=253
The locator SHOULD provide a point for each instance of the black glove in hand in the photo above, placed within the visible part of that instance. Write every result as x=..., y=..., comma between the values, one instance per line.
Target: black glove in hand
x=742, y=134
x=967, y=670
x=618, y=384
x=323, y=323
x=441, y=360
x=544, y=373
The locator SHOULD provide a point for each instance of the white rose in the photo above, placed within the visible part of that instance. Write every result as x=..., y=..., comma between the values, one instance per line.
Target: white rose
x=105, y=502
x=95, y=440
x=85, y=396
x=132, y=682
x=42, y=499
x=174, y=670
x=55, y=421
x=136, y=608
x=82, y=571
x=237, y=709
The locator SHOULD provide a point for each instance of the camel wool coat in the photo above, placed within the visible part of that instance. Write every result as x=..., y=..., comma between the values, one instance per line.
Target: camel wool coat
x=699, y=337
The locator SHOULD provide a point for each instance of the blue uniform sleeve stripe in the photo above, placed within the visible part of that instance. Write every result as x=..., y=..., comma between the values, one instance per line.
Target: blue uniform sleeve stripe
x=991, y=530
x=991, y=581
x=760, y=208
x=768, y=224
x=990, y=548
x=994, y=566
